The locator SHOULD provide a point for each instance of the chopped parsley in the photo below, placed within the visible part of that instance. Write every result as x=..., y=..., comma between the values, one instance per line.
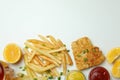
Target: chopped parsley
x=26, y=47
x=21, y=75
x=24, y=69
x=85, y=51
x=64, y=45
x=85, y=59
x=51, y=77
x=61, y=73
x=68, y=70
x=48, y=71
x=20, y=67
x=59, y=78
x=78, y=55
x=68, y=50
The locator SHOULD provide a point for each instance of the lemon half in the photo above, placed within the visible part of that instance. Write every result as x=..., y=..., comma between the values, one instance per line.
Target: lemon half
x=12, y=53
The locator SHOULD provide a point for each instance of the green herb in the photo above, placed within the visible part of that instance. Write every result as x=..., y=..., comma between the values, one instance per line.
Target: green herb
x=68, y=50
x=85, y=59
x=68, y=70
x=48, y=71
x=85, y=51
x=20, y=67
x=24, y=69
x=59, y=78
x=35, y=79
x=61, y=73
x=78, y=55
x=22, y=75
x=64, y=45
x=26, y=47
x=51, y=77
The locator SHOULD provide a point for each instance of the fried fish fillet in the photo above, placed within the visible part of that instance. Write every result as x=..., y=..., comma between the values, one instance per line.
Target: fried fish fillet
x=85, y=54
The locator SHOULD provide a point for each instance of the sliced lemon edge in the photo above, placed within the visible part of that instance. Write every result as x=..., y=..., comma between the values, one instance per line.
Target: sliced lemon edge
x=109, y=55
x=116, y=75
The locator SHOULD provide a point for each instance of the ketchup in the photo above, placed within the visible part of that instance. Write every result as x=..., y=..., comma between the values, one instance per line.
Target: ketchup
x=99, y=73
x=1, y=72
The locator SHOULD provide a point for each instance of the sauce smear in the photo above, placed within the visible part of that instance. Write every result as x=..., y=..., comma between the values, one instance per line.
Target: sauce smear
x=1, y=72
x=99, y=73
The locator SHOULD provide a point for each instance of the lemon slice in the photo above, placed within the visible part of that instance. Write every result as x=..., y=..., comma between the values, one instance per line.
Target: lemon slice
x=12, y=53
x=75, y=75
x=116, y=69
x=113, y=54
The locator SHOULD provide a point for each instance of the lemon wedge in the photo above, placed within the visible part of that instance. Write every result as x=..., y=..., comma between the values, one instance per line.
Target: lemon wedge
x=12, y=53
x=113, y=54
x=116, y=69
x=75, y=75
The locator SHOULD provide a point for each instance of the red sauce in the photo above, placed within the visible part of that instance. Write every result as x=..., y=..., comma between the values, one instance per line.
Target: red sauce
x=99, y=73
x=1, y=72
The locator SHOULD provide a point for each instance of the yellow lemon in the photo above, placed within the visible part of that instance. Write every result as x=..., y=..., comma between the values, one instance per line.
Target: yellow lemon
x=75, y=75
x=116, y=69
x=12, y=53
x=113, y=54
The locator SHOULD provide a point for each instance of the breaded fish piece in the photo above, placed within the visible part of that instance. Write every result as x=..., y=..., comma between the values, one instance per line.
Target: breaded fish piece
x=85, y=54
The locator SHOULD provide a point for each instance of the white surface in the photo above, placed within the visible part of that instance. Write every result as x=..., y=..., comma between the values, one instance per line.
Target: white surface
x=64, y=19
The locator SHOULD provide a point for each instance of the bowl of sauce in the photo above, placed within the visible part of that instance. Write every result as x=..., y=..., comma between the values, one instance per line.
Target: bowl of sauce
x=75, y=75
x=1, y=72
x=99, y=73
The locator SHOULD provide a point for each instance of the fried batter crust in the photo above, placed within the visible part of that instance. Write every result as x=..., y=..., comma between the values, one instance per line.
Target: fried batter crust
x=85, y=54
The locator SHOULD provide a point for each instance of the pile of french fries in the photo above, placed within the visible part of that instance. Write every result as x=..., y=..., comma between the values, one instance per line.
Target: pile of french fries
x=44, y=55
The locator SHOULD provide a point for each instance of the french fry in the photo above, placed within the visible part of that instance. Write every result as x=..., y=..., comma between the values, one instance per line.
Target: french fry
x=31, y=73
x=58, y=56
x=39, y=61
x=26, y=59
x=64, y=64
x=35, y=41
x=26, y=63
x=42, y=47
x=55, y=72
x=31, y=57
x=44, y=55
x=46, y=63
x=39, y=69
x=53, y=40
x=45, y=44
x=44, y=39
x=57, y=62
x=68, y=58
x=57, y=50
x=48, y=59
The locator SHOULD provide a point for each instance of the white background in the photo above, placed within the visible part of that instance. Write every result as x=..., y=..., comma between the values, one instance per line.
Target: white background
x=64, y=19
